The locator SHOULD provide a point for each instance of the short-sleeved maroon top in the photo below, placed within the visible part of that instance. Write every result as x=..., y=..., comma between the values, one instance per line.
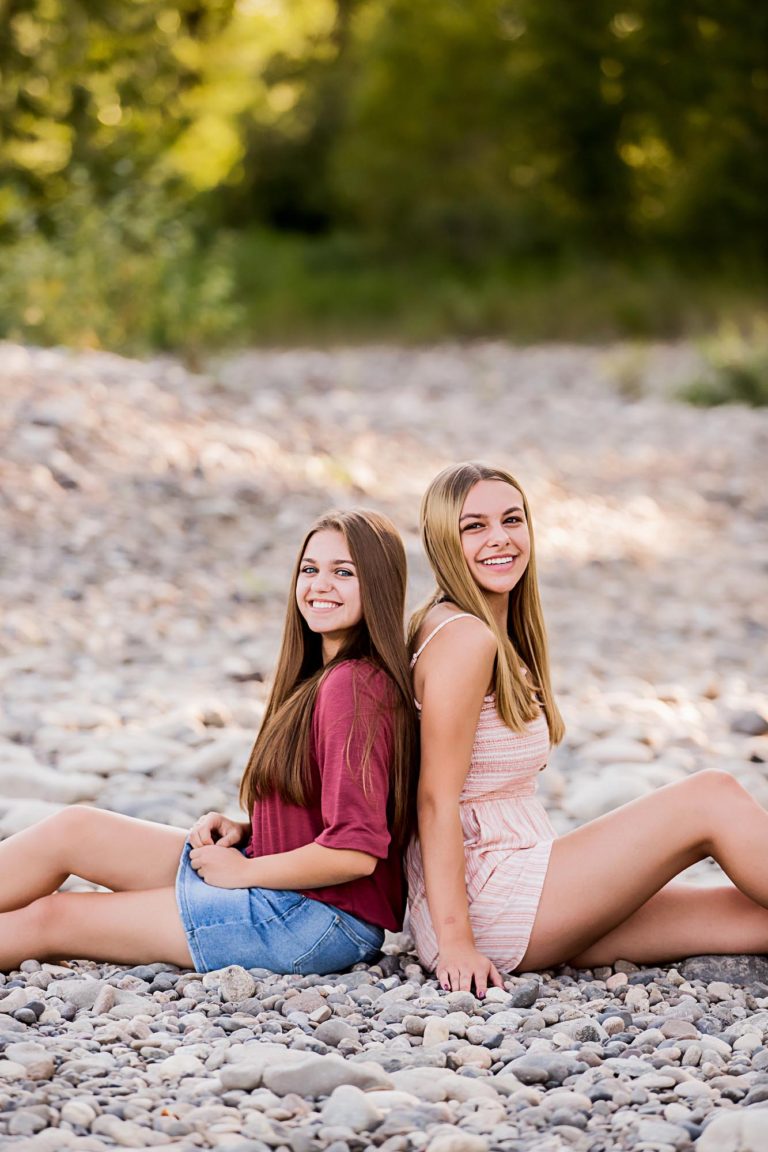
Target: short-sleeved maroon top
x=344, y=810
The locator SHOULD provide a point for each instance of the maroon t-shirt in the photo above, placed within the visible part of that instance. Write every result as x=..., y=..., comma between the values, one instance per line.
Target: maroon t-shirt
x=345, y=810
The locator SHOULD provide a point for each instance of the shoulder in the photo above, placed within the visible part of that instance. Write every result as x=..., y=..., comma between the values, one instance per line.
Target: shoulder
x=351, y=679
x=450, y=630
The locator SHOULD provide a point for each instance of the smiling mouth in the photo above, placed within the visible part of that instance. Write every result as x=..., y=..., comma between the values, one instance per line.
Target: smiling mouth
x=498, y=561
x=323, y=605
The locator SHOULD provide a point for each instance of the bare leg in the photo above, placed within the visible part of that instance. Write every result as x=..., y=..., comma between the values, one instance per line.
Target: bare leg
x=683, y=920
x=122, y=927
x=115, y=851
x=601, y=874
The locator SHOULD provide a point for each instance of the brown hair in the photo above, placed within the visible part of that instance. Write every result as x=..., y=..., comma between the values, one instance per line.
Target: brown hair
x=525, y=638
x=279, y=761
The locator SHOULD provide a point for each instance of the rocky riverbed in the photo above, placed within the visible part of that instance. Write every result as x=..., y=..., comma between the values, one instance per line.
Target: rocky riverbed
x=148, y=521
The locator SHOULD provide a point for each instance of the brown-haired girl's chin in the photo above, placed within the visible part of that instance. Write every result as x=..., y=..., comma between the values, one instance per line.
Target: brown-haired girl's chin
x=310, y=881
x=492, y=888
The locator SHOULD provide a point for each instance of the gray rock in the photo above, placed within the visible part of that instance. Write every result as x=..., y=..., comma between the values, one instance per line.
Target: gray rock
x=334, y=1031
x=749, y=723
x=544, y=1067
x=80, y=993
x=318, y=1076
x=524, y=995
x=739, y=970
x=236, y=984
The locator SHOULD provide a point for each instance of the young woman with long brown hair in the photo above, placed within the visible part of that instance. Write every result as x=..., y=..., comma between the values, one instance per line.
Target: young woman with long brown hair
x=312, y=880
x=491, y=886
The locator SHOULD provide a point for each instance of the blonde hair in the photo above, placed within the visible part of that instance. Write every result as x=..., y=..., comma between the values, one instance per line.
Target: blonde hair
x=524, y=643
x=280, y=762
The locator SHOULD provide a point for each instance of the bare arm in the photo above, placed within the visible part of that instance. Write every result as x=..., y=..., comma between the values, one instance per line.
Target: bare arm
x=456, y=670
x=311, y=866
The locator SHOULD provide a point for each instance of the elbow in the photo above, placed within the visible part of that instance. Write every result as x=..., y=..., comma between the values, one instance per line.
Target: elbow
x=431, y=807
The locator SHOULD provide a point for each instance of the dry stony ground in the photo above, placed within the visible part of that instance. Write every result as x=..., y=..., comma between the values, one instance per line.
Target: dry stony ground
x=148, y=521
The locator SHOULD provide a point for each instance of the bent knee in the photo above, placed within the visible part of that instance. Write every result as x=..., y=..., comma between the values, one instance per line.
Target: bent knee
x=40, y=923
x=717, y=784
x=70, y=824
x=714, y=795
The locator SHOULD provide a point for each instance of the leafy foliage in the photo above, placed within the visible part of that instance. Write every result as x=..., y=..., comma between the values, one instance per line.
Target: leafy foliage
x=736, y=373
x=470, y=141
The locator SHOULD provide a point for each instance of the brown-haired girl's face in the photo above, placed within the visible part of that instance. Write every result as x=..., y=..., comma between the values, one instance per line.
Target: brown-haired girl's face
x=328, y=589
x=494, y=535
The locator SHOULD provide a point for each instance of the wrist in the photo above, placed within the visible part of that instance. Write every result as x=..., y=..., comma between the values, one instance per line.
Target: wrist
x=250, y=869
x=456, y=939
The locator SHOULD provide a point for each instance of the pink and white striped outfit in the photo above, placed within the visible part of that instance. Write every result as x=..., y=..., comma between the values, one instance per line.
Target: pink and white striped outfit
x=507, y=838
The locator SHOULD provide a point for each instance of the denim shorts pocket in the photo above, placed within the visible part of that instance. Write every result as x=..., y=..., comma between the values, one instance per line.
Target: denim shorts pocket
x=338, y=948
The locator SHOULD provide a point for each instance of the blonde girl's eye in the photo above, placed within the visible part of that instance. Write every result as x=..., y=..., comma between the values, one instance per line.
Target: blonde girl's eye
x=308, y=570
x=471, y=526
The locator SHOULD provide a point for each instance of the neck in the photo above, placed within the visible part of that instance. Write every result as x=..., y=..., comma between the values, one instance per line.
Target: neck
x=331, y=646
x=499, y=606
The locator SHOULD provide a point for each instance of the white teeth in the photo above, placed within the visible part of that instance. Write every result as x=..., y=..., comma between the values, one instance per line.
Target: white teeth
x=498, y=560
x=323, y=604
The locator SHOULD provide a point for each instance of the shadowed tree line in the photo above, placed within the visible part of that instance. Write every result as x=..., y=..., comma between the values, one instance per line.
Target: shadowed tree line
x=211, y=151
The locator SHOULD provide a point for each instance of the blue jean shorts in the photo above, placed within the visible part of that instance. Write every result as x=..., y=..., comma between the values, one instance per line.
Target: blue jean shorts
x=268, y=928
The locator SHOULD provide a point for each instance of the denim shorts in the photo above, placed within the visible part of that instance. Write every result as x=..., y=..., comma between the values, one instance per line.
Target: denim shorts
x=268, y=928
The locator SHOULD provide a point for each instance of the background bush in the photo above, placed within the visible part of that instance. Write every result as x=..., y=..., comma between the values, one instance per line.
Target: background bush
x=185, y=174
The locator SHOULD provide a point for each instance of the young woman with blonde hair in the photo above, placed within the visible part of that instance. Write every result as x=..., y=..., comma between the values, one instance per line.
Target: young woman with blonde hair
x=491, y=886
x=312, y=880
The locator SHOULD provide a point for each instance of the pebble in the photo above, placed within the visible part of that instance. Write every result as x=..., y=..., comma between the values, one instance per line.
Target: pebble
x=350, y=1107
x=740, y=1131
x=134, y=667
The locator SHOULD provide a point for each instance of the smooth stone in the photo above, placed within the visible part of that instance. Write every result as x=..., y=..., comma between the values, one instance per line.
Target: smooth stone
x=12, y=1070
x=436, y=1031
x=523, y=995
x=739, y=970
x=334, y=1031
x=26, y=1122
x=387, y=1098
x=390, y=1060
x=471, y=1055
x=677, y=1029
x=739, y=1130
x=543, y=1067
x=37, y=1060
x=17, y=998
x=350, y=1107
x=654, y=1132
x=78, y=1112
x=176, y=1066
x=126, y=1133
x=235, y=984
x=80, y=993
x=319, y=1075
x=457, y=1142
x=426, y=1083
x=749, y=723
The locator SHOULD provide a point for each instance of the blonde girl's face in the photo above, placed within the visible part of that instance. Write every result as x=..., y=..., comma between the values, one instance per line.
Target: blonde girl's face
x=328, y=589
x=494, y=536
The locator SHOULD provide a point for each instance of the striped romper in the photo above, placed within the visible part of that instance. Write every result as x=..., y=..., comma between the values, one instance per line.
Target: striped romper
x=507, y=838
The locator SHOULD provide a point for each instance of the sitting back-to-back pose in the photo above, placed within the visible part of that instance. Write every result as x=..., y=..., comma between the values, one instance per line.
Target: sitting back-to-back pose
x=491, y=887
x=312, y=880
